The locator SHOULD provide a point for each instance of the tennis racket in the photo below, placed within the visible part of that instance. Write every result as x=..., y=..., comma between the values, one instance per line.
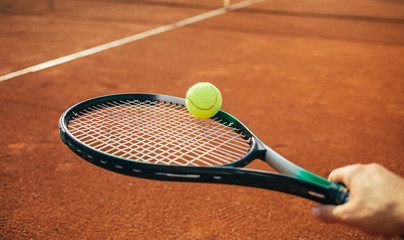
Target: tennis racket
x=155, y=137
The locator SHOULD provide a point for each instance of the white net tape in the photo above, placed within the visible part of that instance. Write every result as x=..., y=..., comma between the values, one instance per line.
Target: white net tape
x=158, y=132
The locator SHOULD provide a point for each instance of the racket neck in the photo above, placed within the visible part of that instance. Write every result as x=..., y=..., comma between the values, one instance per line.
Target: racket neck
x=282, y=165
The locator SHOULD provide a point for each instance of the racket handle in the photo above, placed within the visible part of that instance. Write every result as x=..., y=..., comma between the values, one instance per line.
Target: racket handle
x=339, y=193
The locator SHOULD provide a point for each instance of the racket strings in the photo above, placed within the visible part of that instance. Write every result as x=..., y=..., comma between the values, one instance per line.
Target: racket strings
x=158, y=132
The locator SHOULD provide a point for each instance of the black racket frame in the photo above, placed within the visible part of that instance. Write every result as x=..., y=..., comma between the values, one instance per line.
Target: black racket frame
x=227, y=174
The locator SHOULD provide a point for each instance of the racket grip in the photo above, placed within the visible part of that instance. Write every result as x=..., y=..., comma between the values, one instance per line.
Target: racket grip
x=338, y=193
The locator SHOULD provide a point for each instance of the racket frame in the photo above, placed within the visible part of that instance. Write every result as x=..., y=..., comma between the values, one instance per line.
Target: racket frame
x=321, y=191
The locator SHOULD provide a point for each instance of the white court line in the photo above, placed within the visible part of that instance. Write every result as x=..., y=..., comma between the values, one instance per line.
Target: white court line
x=126, y=40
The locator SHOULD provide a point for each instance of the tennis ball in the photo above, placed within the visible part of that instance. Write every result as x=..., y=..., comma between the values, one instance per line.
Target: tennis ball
x=203, y=100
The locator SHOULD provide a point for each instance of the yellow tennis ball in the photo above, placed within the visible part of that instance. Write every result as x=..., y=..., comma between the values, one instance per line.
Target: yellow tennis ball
x=203, y=100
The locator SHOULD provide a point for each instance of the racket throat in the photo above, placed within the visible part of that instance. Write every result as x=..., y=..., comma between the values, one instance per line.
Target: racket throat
x=282, y=165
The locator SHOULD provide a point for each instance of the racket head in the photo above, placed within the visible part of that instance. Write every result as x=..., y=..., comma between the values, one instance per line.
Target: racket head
x=134, y=109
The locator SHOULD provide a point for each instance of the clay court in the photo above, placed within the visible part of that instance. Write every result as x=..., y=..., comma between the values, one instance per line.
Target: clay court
x=320, y=83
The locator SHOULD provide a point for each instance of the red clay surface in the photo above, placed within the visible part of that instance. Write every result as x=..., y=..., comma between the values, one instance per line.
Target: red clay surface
x=324, y=91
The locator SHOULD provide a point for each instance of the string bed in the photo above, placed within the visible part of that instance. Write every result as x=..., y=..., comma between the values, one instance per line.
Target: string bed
x=158, y=132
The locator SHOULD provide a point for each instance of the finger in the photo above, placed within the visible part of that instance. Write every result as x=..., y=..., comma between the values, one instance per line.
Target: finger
x=326, y=213
x=343, y=174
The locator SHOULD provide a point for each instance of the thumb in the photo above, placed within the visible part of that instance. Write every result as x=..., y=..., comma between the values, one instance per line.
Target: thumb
x=325, y=213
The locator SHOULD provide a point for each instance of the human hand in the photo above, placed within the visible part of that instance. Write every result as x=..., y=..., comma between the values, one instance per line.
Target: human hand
x=376, y=202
